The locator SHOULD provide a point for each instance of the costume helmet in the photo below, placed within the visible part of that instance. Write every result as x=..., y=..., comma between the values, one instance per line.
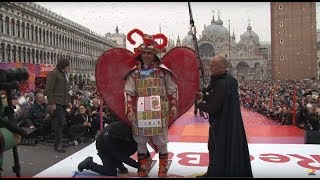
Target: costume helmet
x=149, y=42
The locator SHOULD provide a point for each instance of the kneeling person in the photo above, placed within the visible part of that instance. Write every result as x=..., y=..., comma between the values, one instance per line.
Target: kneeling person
x=115, y=145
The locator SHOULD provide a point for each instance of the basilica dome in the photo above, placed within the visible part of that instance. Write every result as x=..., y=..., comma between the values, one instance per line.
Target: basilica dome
x=216, y=29
x=188, y=39
x=249, y=35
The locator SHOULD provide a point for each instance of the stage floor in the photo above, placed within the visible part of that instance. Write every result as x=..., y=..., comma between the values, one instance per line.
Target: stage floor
x=276, y=150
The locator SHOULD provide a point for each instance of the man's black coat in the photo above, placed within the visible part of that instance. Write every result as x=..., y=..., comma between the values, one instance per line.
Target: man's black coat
x=227, y=137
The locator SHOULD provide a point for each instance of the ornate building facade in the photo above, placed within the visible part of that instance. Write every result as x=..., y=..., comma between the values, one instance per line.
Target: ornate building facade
x=30, y=33
x=249, y=59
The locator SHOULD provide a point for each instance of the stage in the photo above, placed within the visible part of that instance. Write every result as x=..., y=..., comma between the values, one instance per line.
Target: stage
x=276, y=151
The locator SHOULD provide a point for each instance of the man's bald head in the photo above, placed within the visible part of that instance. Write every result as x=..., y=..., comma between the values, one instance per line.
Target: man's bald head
x=218, y=65
x=221, y=60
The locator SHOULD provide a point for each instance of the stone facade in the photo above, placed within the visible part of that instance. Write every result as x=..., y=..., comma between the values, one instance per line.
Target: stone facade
x=30, y=33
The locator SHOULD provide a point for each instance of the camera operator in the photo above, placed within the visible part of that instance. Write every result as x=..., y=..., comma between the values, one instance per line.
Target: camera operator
x=10, y=133
x=8, y=139
x=38, y=117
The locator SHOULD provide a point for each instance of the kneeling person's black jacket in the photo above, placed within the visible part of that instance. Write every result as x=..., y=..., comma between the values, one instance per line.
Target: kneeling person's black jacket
x=116, y=141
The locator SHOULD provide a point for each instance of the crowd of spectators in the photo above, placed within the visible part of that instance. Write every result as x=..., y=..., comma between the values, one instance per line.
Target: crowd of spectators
x=82, y=115
x=286, y=102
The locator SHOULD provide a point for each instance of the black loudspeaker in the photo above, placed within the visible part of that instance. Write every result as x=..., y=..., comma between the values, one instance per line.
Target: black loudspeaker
x=311, y=137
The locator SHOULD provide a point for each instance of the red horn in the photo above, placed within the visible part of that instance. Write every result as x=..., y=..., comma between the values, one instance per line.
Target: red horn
x=131, y=33
x=164, y=38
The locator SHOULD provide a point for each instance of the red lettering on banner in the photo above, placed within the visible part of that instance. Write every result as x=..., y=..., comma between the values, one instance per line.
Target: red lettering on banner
x=305, y=162
x=170, y=155
x=251, y=158
x=275, y=158
x=316, y=157
x=200, y=159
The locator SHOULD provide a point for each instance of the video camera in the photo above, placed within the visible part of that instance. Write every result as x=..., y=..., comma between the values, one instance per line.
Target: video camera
x=9, y=80
x=10, y=77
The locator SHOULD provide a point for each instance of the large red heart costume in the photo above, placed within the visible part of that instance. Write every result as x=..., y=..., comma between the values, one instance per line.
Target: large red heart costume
x=113, y=66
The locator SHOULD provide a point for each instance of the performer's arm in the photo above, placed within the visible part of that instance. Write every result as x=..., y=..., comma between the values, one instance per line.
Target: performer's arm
x=215, y=100
x=172, y=90
x=129, y=93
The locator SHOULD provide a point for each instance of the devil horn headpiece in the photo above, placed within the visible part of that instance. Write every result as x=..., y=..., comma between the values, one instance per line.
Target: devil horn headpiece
x=149, y=41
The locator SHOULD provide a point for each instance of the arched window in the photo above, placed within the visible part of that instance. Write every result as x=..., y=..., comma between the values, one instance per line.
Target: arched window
x=7, y=26
x=2, y=52
x=1, y=23
x=31, y=33
x=27, y=31
x=28, y=55
x=9, y=52
x=32, y=60
x=37, y=56
x=43, y=36
x=281, y=41
x=23, y=27
x=19, y=54
x=14, y=54
x=13, y=31
x=40, y=35
x=23, y=58
x=60, y=40
x=50, y=38
x=281, y=24
x=47, y=37
x=281, y=58
x=36, y=33
x=51, y=61
x=280, y=7
x=18, y=28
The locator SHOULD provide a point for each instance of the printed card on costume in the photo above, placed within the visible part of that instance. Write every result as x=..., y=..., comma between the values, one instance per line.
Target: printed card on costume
x=149, y=111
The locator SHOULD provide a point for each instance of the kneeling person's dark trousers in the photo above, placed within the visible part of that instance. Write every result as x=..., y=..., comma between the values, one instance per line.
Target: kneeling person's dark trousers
x=110, y=163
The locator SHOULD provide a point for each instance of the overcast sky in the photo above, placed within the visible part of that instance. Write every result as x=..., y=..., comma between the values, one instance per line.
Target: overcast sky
x=173, y=17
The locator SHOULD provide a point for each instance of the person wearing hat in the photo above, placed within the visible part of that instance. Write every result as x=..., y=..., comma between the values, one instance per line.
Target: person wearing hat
x=150, y=99
x=115, y=145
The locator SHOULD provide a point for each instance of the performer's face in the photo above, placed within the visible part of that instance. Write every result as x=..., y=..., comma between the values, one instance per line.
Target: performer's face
x=66, y=69
x=147, y=56
x=216, y=67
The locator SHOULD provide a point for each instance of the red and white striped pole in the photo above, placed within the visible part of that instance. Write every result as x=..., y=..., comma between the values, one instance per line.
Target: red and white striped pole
x=294, y=107
x=100, y=112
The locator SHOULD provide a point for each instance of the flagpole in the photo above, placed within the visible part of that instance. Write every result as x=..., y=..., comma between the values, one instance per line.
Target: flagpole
x=229, y=41
x=160, y=55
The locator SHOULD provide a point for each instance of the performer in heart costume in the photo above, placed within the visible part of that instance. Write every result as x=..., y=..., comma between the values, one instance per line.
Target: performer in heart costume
x=148, y=93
